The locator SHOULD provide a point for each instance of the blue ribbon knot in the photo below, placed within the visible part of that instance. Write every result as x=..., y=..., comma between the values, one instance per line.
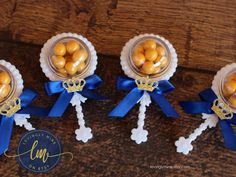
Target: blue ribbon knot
x=6, y=123
x=59, y=107
x=204, y=106
x=136, y=94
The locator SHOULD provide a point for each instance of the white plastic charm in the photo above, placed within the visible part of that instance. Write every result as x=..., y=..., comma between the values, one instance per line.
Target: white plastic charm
x=184, y=145
x=83, y=133
x=139, y=135
x=21, y=120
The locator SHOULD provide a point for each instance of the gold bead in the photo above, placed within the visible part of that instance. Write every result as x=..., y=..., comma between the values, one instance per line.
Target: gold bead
x=4, y=90
x=58, y=61
x=232, y=77
x=63, y=71
x=229, y=88
x=4, y=78
x=164, y=62
x=149, y=44
x=148, y=67
x=81, y=67
x=80, y=55
x=138, y=49
x=70, y=68
x=157, y=69
x=161, y=51
x=59, y=49
x=72, y=46
x=151, y=54
x=138, y=59
x=232, y=100
x=158, y=58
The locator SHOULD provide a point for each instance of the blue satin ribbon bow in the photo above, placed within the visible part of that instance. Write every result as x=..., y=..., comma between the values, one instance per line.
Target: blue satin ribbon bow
x=197, y=107
x=6, y=123
x=136, y=94
x=59, y=107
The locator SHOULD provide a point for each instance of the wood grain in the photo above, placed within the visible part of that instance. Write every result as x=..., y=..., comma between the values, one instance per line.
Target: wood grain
x=202, y=32
x=111, y=152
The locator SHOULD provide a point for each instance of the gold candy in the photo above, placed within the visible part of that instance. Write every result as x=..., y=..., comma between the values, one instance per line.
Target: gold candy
x=151, y=54
x=157, y=69
x=81, y=67
x=158, y=58
x=58, y=61
x=4, y=90
x=80, y=55
x=160, y=50
x=232, y=77
x=139, y=49
x=59, y=49
x=164, y=62
x=4, y=78
x=148, y=67
x=138, y=59
x=71, y=68
x=229, y=87
x=149, y=44
x=232, y=100
x=63, y=71
x=72, y=46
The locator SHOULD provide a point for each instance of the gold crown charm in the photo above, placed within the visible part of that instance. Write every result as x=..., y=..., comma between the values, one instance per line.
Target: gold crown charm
x=74, y=84
x=146, y=84
x=10, y=107
x=222, y=110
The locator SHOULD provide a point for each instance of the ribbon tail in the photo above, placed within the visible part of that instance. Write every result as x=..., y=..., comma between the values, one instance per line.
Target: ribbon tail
x=124, y=83
x=208, y=95
x=233, y=120
x=27, y=97
x=196, y=107
x=93, y=82
x=5, y=133
x=127, y=103
x=61, y=104
x=164, y=105
x=228, y=134
x=34, y=111
x=165, y=86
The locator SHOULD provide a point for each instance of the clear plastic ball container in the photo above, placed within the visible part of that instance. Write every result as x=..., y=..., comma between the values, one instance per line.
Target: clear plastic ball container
x=149, y=57
x=227, y=88
x=69, y=57
x=7, y=85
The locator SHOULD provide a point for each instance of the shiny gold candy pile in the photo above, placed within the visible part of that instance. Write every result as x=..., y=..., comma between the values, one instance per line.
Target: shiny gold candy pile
x=229, y=89
x=69, y=58
x=149, y=57
x=5, y=85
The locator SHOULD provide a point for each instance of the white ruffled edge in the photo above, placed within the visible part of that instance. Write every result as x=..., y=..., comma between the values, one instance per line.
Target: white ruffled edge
x=218, y=77
x=125, y=53
x=46, y=49
x=16, y=76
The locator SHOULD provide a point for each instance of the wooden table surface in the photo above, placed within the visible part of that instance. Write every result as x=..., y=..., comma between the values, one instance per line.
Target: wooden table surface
x=204, y=35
